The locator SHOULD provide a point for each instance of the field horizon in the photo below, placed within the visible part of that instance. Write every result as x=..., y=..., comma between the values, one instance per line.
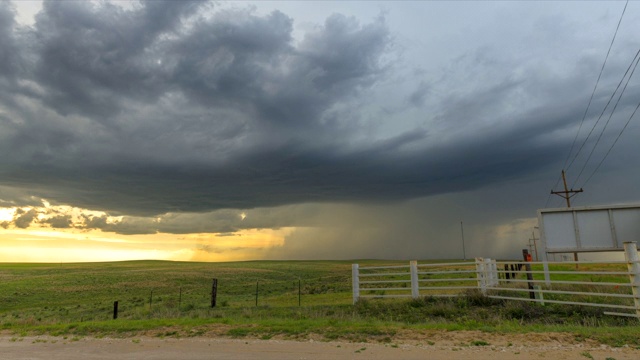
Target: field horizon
x=293, y=299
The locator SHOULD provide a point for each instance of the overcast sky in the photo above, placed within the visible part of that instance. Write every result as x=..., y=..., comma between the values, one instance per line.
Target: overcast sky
x=343, y=129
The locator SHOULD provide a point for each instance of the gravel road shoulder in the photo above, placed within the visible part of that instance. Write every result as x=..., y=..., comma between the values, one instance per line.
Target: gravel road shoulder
x=449, y=345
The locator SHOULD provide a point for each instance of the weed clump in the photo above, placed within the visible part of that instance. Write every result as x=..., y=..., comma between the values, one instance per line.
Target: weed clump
x=522, y=311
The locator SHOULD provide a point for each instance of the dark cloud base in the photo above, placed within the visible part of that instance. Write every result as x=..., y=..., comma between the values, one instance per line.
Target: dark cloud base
x=182, y=106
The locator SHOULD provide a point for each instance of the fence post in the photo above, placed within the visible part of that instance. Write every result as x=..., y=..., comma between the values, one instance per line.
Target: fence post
x=633, y=265
x=355, y=280
x=115, y=310
x=257, y=283
x=527, y=267
x=480, y=275
x=415, y=285
x=496, y=275
x=492, y=272
x=547, y=277
x=214, y=292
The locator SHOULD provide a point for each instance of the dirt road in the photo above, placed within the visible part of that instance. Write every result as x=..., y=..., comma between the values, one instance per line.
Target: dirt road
x=145, y=348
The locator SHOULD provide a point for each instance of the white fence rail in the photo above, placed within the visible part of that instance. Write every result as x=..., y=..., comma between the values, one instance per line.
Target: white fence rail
x=611, y=285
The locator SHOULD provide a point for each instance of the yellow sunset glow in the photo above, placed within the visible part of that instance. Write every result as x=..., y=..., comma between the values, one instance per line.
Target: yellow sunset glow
x=6, y=214
x=66, y=245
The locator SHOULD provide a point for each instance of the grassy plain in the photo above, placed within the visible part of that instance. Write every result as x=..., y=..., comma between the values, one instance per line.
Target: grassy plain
x=294, y=299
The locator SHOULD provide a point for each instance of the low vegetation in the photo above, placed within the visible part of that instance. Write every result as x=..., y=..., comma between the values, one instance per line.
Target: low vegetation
x=295, y=299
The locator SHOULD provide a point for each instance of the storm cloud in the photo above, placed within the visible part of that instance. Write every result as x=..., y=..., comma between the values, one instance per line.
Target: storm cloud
x=178, y=115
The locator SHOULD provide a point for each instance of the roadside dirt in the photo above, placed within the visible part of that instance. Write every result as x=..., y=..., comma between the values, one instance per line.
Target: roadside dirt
x=428, y=345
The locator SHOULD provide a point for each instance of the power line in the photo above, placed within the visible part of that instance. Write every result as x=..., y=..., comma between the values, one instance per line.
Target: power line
x=612, y=145
x=605, y=108
x=546, y=204
x=584, y=116
x=609, y=119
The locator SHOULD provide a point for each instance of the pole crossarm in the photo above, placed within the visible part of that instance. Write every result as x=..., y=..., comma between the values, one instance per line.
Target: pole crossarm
x=566, y=194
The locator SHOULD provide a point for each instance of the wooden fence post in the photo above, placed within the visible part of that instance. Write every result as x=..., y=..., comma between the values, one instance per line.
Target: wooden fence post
x=214, y=292
x=115, y=310
x=355, y=281
x=527, y=268
x=415, y=285
x=257, y=282
x=633, y=264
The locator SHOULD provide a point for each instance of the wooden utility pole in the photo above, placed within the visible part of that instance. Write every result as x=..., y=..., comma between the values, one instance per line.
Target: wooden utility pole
x=533, y=246
x=567, y=195
x=464, y=253
x=530, y=245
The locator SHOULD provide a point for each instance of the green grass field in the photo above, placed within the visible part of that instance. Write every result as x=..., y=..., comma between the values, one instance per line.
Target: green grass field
x=295, y=299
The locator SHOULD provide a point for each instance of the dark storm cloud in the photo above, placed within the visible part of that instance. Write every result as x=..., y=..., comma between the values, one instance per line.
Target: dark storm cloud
x=174, y=107
x=223, y=222
x=58, y=221
x=7, y=57
x=89, y=57
x=24, y=218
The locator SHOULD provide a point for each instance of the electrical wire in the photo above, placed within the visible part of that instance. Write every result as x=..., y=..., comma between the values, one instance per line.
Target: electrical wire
x=614, y=144
x=584, y=116
x=604, y=110
x=546, y=204
x=636, y=59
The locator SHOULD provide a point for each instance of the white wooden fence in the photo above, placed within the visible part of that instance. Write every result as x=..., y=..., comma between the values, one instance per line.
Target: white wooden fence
x=511, y=280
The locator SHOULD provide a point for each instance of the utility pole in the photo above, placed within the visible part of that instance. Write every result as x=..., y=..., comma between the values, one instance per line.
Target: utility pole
x=464, y=253
x=567, y=195
x=533, y=246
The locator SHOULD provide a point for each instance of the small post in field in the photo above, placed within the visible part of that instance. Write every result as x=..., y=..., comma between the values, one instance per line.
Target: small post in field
x=257, y=282
x=633, y=264
x=115, y=310
x=299, y=292
x=214, y=292
x=355, y=280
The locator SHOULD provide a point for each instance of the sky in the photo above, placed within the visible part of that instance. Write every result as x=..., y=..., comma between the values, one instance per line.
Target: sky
x=225, y=131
